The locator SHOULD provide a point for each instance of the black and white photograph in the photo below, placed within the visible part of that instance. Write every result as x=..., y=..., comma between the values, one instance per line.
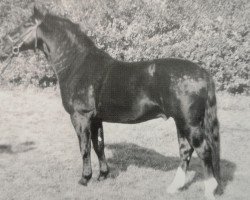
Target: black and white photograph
x=124, y=99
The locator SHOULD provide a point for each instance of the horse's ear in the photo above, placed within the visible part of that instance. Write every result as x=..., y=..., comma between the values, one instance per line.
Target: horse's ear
x=39, y=15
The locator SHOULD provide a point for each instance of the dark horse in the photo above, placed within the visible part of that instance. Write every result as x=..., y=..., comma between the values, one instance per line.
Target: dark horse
x=96, y=88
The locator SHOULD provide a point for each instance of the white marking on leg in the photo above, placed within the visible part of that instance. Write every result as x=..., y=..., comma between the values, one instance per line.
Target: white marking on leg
x=99, y=138
x=151, y=69
x=210, y=187
x=178, y=182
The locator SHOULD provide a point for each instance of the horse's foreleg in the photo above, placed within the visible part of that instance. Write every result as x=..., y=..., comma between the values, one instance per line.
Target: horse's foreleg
x=81, y=124
x=98, y=144
x=185, y=151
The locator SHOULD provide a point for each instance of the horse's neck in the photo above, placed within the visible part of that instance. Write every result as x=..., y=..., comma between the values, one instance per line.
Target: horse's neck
x=60, y=55
x=68, y=59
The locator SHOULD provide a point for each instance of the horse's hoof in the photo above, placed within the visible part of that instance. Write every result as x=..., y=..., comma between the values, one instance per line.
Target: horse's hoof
x=83, y=181
x=102, y=176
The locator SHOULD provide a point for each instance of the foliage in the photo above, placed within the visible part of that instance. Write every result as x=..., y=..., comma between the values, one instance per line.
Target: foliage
x=214, y=34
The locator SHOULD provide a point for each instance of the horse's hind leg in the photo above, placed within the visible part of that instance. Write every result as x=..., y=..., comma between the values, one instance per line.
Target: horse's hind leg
x=98, y=144
x=204, y=151
x=185, y=151
x=200, y=143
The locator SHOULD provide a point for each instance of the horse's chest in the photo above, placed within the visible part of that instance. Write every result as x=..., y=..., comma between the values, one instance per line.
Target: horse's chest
x=79, y=100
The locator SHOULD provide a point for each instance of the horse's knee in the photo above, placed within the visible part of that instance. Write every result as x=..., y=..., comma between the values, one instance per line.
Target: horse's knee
x=85, y=154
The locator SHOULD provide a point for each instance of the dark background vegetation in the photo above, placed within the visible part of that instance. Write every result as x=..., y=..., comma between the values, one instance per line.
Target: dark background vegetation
x=212, y=33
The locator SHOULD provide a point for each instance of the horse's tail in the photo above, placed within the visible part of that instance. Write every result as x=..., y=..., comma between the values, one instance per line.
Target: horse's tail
x=211, y=125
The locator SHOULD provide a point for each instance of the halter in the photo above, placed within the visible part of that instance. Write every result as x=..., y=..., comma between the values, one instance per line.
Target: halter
x=16, y=45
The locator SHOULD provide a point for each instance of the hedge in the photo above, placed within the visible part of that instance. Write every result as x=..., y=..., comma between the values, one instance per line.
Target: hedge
x=212, y=33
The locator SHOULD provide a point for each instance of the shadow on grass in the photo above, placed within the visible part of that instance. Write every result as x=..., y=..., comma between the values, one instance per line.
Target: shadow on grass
x=21, y=148
x=5, y=148
x=126, y=154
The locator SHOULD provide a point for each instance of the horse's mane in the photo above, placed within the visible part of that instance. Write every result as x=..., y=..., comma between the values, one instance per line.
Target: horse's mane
x=66, y=28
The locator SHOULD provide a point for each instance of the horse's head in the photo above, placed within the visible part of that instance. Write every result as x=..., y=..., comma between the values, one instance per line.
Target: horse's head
x=21, y=38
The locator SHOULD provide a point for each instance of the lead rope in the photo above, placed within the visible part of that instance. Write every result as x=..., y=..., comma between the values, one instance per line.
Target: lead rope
x=8, y=61
x=35, y=41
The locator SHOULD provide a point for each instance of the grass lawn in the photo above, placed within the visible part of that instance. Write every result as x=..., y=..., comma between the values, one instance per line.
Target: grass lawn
x=40, y=158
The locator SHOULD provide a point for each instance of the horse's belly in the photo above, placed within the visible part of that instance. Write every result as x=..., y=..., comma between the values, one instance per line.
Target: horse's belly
x=139, y=111
x=129, y=118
